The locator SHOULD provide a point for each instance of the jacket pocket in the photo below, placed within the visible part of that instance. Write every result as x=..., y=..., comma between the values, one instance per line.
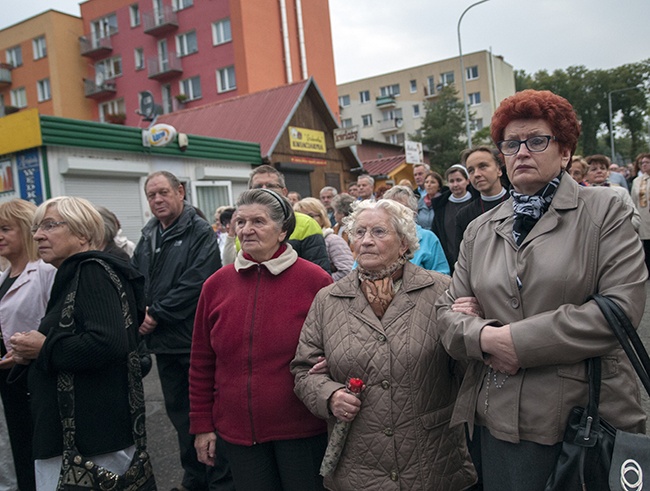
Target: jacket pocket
x=439, y=417
x=578, y=371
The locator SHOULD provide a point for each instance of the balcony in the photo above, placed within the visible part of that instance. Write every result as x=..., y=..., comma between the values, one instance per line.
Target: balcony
x=390, y=125
x=5, y=74
x=430, y=92
x=158, y=24
x=95, y=47
x=164, y=69
x=93, y=90
x=385, y=101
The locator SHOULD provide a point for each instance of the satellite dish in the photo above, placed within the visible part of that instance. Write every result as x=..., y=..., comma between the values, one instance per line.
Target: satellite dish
x=399, y=122
x=147, y=105
x=99, y=79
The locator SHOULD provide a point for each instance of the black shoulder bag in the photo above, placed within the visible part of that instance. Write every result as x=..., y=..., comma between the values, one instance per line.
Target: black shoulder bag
x=77, y=472
x=596, y=456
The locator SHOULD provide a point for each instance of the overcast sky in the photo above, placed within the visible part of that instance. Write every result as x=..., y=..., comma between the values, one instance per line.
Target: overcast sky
x=372, y=37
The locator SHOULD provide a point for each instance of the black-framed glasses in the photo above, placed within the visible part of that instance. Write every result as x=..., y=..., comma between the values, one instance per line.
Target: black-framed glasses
x=375, y=232
x=47, y=226
x=267, y=186
x=537, y=143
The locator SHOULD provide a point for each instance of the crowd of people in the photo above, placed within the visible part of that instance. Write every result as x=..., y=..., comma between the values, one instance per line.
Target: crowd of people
x=449, y=297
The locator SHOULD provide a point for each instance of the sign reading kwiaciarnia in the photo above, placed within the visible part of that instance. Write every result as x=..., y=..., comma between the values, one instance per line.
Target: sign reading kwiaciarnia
x=305, y=140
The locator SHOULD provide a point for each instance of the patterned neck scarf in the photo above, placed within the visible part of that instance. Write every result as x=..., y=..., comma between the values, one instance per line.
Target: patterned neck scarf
x=379, y=287
x=529, y=209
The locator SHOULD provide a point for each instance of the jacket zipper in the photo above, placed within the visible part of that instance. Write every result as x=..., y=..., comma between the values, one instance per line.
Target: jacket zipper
x=250, y=357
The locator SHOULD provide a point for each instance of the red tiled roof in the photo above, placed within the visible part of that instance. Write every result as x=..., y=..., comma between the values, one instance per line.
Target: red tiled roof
x=259, y=117
x=383, y=166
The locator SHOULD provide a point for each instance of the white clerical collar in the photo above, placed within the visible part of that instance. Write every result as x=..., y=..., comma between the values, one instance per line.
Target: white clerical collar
x=467, y=197
x=495, y=197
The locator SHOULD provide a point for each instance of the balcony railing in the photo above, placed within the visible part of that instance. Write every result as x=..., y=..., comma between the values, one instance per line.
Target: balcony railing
x=95, y=47
x=385, y=101
x=164, y=69
x=390, y=125
x=160, y=23
x=5, y=74
x=95, y=91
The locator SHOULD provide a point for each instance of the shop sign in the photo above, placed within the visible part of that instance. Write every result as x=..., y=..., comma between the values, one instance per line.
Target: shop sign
x=305, y=140
x=29, y=176
x=346, y=137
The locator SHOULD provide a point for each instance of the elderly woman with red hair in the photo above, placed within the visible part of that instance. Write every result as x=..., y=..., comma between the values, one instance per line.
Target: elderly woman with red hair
x=517, y=310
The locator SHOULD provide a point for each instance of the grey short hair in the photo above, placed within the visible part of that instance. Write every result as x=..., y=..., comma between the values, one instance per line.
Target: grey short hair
x=401, y=217
x=402, y=195
x=332, y=189
x=111, y=224
x=342, y=203
x=427, y=167
x=368, y=178
x=267, y=169
x=278, y=207
x=83, y=220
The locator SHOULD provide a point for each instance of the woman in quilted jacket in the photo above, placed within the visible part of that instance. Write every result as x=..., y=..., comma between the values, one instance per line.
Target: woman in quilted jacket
x=377, y=324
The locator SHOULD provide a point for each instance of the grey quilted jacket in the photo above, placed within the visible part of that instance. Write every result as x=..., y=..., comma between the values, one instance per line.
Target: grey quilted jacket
x=401, y=439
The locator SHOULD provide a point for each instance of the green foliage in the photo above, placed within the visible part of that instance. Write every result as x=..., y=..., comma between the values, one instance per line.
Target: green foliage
x=587, y=91
x=442, y=129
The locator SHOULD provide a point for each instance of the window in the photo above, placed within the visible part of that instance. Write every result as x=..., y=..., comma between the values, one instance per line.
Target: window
x=104, y=27
x=447, y=78
x=111, y=107
x=389, y=90
x=43, y=89
x=134, y=14
x=186, y=44
x=15, y=56
x=364, y=96
x=226, y=79
x=471, y=73
x=344, y=100
x=40, y=50
x=182, y=4
x=221, y=32
x=413, y=86
x=346, y=123
x=431, y=85
x=191, y=87
x=138, y=55
x=19, y=97
x=416, y=110
x=474, y=98
x=366, y=120
x=392, y=114
x=109, y=68
x=397, y=139
x=476, y=124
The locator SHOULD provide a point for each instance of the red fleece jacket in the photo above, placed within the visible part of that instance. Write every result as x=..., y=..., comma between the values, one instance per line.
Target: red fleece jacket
x=245, y=335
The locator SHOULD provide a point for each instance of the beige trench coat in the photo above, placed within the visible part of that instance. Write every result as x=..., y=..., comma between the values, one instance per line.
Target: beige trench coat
x=401, y=439
x=583, y=244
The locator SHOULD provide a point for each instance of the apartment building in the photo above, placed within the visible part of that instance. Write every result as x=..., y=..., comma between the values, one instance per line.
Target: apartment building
x=189, y=53
x=391, y=106
x=40, y=67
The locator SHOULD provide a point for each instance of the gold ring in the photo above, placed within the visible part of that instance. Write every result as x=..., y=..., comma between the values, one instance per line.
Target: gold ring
x=345, y=414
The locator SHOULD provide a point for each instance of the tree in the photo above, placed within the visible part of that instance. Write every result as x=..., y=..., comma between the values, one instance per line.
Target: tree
x=442, y=129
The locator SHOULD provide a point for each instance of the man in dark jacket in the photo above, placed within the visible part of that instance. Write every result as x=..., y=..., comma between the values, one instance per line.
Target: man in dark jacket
x=176, y=254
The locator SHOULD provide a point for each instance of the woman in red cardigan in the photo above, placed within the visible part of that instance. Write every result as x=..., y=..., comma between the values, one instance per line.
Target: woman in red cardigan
x=246, y=331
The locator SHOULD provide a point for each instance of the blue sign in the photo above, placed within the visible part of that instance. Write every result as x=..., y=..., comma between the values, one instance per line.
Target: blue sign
x=29, y=176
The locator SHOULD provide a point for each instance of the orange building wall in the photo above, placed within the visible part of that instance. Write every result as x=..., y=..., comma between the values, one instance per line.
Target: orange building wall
x=63, y=64
x=262, y=41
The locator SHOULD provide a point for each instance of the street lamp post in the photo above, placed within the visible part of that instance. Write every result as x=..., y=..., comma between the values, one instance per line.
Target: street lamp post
x=611, y=124
x=462, y=74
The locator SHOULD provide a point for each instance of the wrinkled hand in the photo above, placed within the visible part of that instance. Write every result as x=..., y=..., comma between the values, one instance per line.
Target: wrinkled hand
x=26, y=345
x=148, y=324
x=205, y=445
x=7, y=361
x=344, y=406
x=320, y=368
x=467, y=305
x=497, y=343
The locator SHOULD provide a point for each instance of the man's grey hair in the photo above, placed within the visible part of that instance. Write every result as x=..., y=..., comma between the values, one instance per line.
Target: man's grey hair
x=267, y=169
x=427, y=167
x=332, y=189
x=367, y=178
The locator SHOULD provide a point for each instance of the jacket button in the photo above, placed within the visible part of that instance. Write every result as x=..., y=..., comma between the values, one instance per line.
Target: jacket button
x=393, y=476
x=385, y=384
x=381, y=338
x=514, y=303
x=388, y=431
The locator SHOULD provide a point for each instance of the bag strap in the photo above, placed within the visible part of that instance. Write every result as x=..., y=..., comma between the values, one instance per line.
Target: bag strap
x=65, y=380
x=627, y=337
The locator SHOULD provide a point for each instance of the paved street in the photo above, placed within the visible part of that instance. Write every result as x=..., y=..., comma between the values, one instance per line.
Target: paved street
x=162, y=438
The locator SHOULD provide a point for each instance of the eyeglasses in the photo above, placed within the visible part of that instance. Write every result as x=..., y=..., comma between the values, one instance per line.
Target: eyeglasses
x=47, y=226
x=537, y=143
x=375, y=232
x=267, y=186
